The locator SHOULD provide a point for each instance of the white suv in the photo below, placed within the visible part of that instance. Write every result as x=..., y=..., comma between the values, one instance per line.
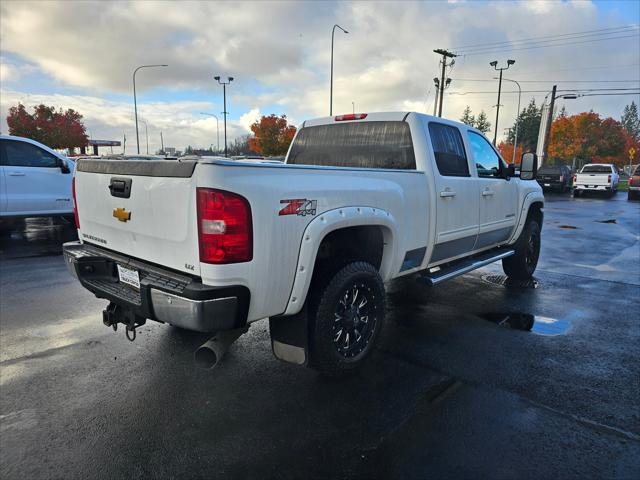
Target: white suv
x=34, y=180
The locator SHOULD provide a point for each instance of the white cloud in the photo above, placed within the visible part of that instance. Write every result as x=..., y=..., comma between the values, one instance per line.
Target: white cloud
x=249, y=118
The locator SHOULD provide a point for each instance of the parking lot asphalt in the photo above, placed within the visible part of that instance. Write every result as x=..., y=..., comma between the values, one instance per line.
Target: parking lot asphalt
x=473, y=379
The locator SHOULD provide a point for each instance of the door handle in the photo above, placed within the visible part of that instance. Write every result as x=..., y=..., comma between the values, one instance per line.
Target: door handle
x=486, y=193
x=17, y=174
x=447, y=193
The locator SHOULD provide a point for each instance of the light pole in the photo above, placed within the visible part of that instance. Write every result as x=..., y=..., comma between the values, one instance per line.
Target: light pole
x=135, y=102
x=146, y=131
x=225, y=113
x=333, y=31
x=515, y=139
x=217, y=125
x=494, y=64
x=547, y=131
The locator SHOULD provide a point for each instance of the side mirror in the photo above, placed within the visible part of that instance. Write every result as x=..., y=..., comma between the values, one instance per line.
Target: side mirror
x=529, y=166
x=64, y=167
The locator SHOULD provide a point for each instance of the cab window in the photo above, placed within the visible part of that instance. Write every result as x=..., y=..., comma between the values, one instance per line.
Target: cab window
x=488, y=162
x=22, y=154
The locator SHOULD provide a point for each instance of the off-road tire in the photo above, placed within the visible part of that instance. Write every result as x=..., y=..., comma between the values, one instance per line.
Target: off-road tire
x=632, y=195
x=522, y=264
x=332, y=316
x=576, y=193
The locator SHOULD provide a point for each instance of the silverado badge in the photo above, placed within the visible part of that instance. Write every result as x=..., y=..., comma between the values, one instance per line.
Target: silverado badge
x=121, y=214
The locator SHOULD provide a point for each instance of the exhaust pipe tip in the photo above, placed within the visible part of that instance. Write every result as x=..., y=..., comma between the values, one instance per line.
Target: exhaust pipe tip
x=206, y=357
x=209, y=354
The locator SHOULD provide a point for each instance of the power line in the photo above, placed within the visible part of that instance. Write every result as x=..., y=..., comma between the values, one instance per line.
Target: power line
x=473, y=53
x=551, y=41
x=548, y=81
x=621, y=27
x=559, y=90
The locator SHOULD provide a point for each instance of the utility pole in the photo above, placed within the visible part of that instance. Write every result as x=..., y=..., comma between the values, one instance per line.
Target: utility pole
x=436, y=82
x=445, y=54
x=161, y=142
x=547, y=131
x=333, y=32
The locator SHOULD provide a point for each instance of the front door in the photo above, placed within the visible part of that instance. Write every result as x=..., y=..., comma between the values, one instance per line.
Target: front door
x=457, y=208
x=34, y=183
x=497, y=194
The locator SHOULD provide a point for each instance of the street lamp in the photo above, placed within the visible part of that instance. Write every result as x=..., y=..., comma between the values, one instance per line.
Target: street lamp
x=146, y=131
x=547, y=132
x=225, y=113
x=135, y=103
x=217, y=126
x=515, y=140
x=333, y=31
x=494, y=64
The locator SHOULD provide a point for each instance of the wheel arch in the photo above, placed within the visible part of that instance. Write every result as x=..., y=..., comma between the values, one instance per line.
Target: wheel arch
x=533, y=206
x=352, y=221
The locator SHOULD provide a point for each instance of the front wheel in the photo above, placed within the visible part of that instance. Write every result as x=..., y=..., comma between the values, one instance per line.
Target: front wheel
x=523, y=262
x=346, y=314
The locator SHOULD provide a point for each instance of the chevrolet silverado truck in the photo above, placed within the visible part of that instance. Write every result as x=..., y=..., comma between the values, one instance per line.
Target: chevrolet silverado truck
x=594, y=177
x=212, y=245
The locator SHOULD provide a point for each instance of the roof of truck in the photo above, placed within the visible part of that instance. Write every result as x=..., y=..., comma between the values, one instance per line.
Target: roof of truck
x=375, y=117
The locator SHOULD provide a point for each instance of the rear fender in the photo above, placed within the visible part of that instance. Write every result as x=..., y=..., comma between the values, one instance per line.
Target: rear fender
x=328, y=222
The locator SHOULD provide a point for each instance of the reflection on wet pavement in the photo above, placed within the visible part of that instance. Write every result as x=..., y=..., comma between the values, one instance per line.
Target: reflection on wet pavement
x=529, y=323
x=33, y=237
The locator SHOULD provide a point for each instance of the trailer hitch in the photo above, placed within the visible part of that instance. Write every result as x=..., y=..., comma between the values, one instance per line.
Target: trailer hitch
x=115, y=314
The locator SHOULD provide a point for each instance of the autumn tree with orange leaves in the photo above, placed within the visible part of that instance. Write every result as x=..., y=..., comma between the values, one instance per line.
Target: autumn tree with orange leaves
x=272, y=135
x=588, y=137
x=56, y=129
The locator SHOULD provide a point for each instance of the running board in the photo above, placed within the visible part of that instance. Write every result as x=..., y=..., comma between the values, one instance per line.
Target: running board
x=463, y=266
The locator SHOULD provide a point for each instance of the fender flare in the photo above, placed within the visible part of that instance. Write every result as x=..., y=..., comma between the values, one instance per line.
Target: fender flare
x=328, y=222
x=529, y=199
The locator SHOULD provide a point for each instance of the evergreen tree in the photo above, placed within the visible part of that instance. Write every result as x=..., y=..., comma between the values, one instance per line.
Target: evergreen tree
x=630, y=120
x=467, y=118
x=482, y=123
x=528, y=123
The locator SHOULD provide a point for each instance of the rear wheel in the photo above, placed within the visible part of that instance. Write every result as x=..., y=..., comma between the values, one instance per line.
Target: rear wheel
x=523, y=262
x=576, y=193
x=632, y=195
x=346, y=314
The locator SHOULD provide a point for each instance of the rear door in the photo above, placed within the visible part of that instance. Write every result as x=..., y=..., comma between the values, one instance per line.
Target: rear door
x=457, y=209
x=497, y=194
x=34, y=183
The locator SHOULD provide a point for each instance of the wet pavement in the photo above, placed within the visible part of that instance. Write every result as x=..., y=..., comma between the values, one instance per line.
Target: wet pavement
x=476, y=378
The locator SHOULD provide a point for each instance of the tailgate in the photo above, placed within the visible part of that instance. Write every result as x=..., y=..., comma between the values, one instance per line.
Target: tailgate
x=144, y=209
x=593, y=179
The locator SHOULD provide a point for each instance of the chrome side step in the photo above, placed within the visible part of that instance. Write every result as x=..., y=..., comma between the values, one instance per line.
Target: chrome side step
x=465, y=265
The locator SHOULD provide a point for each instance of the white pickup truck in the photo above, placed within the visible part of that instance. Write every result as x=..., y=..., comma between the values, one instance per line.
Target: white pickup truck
x=212, y=245
x=595, y=177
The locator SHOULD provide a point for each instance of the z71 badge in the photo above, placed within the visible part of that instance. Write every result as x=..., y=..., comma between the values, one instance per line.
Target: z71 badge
x=299, y=206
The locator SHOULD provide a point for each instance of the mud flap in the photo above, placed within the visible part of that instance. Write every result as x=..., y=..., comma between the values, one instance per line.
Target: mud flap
x=289, y=338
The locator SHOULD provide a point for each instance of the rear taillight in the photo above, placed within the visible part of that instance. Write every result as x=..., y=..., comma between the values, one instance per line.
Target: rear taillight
x=75, y=202
x=224, y=227
x=575, y=178
x=351, y=116
x=609, y=179
x=630, y=181
x=561, y=178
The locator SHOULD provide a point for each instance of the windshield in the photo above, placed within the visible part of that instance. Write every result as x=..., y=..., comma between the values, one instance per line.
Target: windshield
x=360, y=145
x=596, y=169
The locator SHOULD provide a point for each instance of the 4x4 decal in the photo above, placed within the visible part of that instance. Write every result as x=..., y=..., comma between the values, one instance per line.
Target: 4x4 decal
x=299, y=206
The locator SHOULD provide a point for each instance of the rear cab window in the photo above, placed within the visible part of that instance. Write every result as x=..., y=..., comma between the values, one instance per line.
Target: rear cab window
x=373, y=144
x=448, y=149
x=596, y=169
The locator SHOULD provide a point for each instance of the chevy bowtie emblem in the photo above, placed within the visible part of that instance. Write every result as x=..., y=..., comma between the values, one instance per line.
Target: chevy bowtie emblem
x=121, y=214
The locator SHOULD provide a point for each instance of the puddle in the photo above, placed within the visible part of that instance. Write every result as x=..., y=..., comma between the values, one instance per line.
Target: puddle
x=611, y=220
x=570, y=227
x=529, y=323
x=505, y=281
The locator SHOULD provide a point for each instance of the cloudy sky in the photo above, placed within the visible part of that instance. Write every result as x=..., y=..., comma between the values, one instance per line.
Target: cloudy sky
x=81, y=55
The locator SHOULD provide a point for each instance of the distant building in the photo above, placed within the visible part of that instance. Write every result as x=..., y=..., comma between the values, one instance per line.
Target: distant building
x=100, y=143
